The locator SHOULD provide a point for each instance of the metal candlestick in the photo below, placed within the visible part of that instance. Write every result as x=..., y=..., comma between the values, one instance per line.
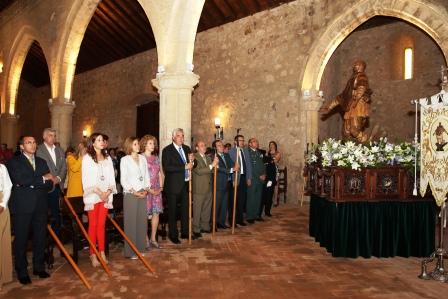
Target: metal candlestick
x=439, y=255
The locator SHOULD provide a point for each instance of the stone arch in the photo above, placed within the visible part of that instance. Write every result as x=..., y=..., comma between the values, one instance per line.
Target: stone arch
x=75, y=27
x=174, y=24
x=423, y=15
x=14, y=66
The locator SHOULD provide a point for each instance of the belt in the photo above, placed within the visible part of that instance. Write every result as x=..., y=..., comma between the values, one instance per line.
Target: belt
x=24, y=186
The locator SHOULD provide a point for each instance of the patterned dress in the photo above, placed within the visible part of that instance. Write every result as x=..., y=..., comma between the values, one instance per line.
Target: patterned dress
x=154, y=202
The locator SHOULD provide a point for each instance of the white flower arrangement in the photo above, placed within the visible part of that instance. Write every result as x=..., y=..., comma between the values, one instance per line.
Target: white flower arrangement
x=349, y=154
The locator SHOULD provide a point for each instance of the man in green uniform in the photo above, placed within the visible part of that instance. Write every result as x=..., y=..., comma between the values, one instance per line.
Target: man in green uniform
x=254, y=191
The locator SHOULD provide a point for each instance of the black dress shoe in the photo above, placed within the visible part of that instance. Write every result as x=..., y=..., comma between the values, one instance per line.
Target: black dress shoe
x=242, y=223
x=184, y=236
x=25, y=280
x=174, y=240
x=196, y=236
x=259, y=219
x=205, y=231
x=251, y=221
x=41, y=274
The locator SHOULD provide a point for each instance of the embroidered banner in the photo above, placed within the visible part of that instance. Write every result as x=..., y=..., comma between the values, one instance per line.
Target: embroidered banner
x=434, y=146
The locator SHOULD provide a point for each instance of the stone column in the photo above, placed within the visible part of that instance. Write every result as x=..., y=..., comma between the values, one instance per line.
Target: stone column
x=61, y=120
x=310, y=104
x=9, y=130
x=175, y=104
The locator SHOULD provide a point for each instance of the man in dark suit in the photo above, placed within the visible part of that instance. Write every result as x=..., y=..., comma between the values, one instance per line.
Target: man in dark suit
x=240, y=156
x=254, y=191
x=31, y=180
x=177, y=161
x=55, y=158
x=223, y=184
x=269, y=186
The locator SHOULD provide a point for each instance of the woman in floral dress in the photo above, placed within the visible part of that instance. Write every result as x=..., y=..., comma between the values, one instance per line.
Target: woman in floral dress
x=154, y=204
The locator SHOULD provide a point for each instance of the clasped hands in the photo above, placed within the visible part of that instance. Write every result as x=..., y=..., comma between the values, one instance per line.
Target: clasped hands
x=141, y=193
x=104, y=196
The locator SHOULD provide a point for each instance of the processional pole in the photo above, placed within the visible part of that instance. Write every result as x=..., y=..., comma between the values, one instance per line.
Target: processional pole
x=440, y=254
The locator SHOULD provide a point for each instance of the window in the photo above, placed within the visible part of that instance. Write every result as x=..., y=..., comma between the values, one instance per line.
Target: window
x=408, y=63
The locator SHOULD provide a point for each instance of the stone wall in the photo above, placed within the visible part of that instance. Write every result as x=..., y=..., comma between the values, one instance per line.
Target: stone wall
x=383, y=48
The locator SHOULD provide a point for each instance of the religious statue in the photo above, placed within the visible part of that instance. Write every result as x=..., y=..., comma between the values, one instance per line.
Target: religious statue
x=354, y=101
x=440, y=142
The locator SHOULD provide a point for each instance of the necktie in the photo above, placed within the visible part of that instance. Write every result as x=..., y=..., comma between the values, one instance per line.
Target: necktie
x=223, y=159
x=181, y=153
x=32, y=162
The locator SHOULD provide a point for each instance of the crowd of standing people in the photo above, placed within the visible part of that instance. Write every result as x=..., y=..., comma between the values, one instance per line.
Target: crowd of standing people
x=33, y=182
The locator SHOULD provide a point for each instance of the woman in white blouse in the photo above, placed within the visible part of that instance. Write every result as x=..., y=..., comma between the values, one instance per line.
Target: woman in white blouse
x=98, y=183
x=5, y=227
x=135, y=183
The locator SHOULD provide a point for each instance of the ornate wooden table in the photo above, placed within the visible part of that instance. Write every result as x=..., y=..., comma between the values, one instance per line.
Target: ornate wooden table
x=369, y=213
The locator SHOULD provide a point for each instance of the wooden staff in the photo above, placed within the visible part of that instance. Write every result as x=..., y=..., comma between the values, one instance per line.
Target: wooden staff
x=189, y=207
x=69, y=258
x=214, y=201
x=103, y=263
x=235, y=188
x=131, y=244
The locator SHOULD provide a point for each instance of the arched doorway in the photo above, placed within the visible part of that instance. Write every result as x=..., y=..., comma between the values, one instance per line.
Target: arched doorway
x=33, y=94
x=148, y=119
x=382, y=43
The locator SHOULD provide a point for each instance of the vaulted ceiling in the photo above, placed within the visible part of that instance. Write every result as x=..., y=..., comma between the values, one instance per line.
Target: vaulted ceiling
x=120, y=28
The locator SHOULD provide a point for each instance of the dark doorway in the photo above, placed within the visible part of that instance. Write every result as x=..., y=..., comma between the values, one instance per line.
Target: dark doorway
x=148, y=119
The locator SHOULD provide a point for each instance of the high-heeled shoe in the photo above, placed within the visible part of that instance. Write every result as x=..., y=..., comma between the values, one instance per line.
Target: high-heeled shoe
x=94, y=261
x=103, y=256
x=154, y=244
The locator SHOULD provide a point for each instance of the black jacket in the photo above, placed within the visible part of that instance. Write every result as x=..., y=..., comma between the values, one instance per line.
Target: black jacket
x=29, y=192
x=174, y=168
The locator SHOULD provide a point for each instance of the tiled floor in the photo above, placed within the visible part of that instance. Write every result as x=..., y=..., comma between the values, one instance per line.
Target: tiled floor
x=273, y=259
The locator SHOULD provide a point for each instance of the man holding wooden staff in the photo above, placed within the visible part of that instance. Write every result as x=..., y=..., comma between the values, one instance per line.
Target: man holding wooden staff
x=223, y=184
x=177, y=162
x=240, y=156
x=202, y=190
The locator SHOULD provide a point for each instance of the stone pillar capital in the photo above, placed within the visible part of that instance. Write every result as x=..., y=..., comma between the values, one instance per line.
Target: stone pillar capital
x=10, y=117
x=187, y=80
x=311, y=102
x=57, y=107
x=60, y=100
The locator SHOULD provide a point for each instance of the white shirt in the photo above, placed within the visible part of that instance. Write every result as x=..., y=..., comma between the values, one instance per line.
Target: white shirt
x=97, y=176
x=5, y=186
x=134, y=177
x=242, y=166
x=51, y=150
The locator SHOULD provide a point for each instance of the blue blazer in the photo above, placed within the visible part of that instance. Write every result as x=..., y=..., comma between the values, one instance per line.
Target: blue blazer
x=247, y=166
x=224, y=174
